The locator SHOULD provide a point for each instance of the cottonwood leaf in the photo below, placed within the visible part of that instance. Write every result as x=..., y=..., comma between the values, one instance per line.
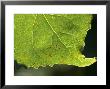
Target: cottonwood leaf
x=48, y=39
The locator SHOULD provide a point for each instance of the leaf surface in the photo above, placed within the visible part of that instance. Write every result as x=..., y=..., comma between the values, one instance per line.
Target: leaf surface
x=48, y=39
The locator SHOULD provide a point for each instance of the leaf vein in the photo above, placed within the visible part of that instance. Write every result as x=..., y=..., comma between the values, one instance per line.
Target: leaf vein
x=53, y=30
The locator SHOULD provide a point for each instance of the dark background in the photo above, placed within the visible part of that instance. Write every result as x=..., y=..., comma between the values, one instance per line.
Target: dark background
x=90, y=50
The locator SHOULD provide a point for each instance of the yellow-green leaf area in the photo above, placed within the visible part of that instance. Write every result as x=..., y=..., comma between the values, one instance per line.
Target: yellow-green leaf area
x=48, y=39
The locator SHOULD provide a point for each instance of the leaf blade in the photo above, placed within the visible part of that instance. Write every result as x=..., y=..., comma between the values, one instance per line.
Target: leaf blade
x=51, y=39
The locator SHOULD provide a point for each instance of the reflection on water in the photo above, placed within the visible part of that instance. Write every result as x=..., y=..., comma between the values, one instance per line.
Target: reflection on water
x=56, y=70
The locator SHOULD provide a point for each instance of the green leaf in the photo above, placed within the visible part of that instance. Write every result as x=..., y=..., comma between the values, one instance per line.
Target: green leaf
x=48, y=39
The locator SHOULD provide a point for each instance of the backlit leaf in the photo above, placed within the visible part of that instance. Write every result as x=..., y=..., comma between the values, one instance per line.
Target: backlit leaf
x=48, y=39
